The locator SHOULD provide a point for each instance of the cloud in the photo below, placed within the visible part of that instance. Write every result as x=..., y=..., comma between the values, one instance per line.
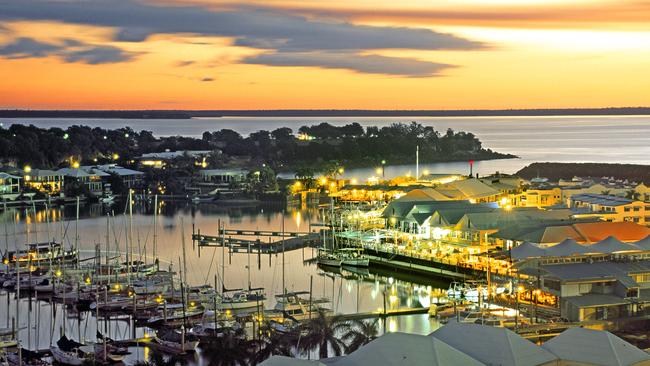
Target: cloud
x=184, y=63
x=69, y=50
x=95, y=55
x=289, y=38
x=207, y=79
x=263, y=28
x=372, y=64
x=26, y=48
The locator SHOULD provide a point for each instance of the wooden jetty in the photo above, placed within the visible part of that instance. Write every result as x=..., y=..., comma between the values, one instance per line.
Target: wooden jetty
x=385, y=313
x=242, y=240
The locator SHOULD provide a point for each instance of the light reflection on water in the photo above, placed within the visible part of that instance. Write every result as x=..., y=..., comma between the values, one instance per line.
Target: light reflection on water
x=349, y=292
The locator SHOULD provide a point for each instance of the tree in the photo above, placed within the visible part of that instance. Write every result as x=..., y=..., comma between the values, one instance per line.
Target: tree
x=274, y=343
x=230, y=349
x=322, y=333
x=306, y=176
x=360, y=333
x=632, y=195
x=282, y=134
x=333, y=169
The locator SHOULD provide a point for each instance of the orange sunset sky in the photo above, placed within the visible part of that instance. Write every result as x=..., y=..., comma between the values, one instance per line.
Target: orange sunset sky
x=354, y=54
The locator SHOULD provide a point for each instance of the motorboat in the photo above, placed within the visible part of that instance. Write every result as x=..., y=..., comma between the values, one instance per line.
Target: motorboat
x=294, y=305
x=330, y=259
x=353, y=257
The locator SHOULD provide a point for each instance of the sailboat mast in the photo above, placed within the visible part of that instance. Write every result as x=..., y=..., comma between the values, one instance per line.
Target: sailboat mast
x=130, y=228
x=76, y=233
x=223, y=258
x=20, y=356
x=248, y=266
x=284, y=289
x=184, y=257
x=155, y=227
x=108, y=237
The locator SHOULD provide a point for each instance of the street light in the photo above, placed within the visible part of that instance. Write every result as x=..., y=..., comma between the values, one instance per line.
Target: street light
x=383, y=163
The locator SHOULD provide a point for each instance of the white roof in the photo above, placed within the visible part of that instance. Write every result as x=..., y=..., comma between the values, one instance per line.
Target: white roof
x=402, y=349
x=4, y=175
x=527, y=250
x=492, y=345
x=288, y=361
x=174, y=154
x=611, y=245
x=595, y=347
x=565, y=248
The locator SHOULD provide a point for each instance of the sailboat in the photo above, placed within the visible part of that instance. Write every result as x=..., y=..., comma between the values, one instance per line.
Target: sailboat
x=237, y=299
x=69, y=352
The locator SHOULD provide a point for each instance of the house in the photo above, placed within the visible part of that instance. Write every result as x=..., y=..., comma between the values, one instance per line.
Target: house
x=610, y=208
x=606, y=280
x=132, y=179
x=161, y=159
x=223, y=177
x=9, y=184
x=91, y=178
x=43, y=180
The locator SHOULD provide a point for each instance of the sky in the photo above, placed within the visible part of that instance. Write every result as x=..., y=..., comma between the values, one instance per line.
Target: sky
x=324, y=54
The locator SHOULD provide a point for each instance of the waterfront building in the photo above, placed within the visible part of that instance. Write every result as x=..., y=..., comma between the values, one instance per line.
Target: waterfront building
x=472, y=189
x=132, y=179
x=607, y=280
x=582, y=231
x=540, y=197
x=161, y=159
x=643, y=192
x=223, y=177
x=610, y=208
x=44, y=180
x=9, y=185
x=474, y=344
x=91, y=178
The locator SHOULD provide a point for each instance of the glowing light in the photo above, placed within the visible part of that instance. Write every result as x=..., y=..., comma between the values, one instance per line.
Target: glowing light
x=354, y=181
x=504, y=201
x=65, y=136
x=508, y=207
x=323, y=181
x=27, y=169
x=116, y=156
x=341, y=170
x=378, y=170
x=425, y=172
x=297, y=184
x=75, y=164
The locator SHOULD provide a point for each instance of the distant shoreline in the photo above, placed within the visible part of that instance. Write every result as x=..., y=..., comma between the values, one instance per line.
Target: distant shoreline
x=188, y=114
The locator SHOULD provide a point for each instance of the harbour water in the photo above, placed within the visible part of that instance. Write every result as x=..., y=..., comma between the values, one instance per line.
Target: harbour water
x=350, y=292
x=604, y=139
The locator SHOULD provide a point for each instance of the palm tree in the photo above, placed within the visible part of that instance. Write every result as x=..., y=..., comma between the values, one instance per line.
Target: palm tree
x=360, y=333
x=274, y=343
x=230, y=349
x=322, y=333
x=157, y=358
x=632, y=194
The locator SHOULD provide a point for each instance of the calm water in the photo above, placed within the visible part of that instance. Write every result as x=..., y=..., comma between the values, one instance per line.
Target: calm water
x=348, y=291
x=609, y=139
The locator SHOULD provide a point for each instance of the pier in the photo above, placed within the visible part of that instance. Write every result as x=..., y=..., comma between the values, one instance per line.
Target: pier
x=232, y=239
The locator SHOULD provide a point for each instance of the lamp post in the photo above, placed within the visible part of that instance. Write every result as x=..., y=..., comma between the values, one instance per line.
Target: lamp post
x=383, y=163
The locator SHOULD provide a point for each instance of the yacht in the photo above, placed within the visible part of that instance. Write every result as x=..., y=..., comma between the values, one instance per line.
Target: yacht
x=330, y=259
x=40, y=254
x=294, y=305
x=354, y=257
